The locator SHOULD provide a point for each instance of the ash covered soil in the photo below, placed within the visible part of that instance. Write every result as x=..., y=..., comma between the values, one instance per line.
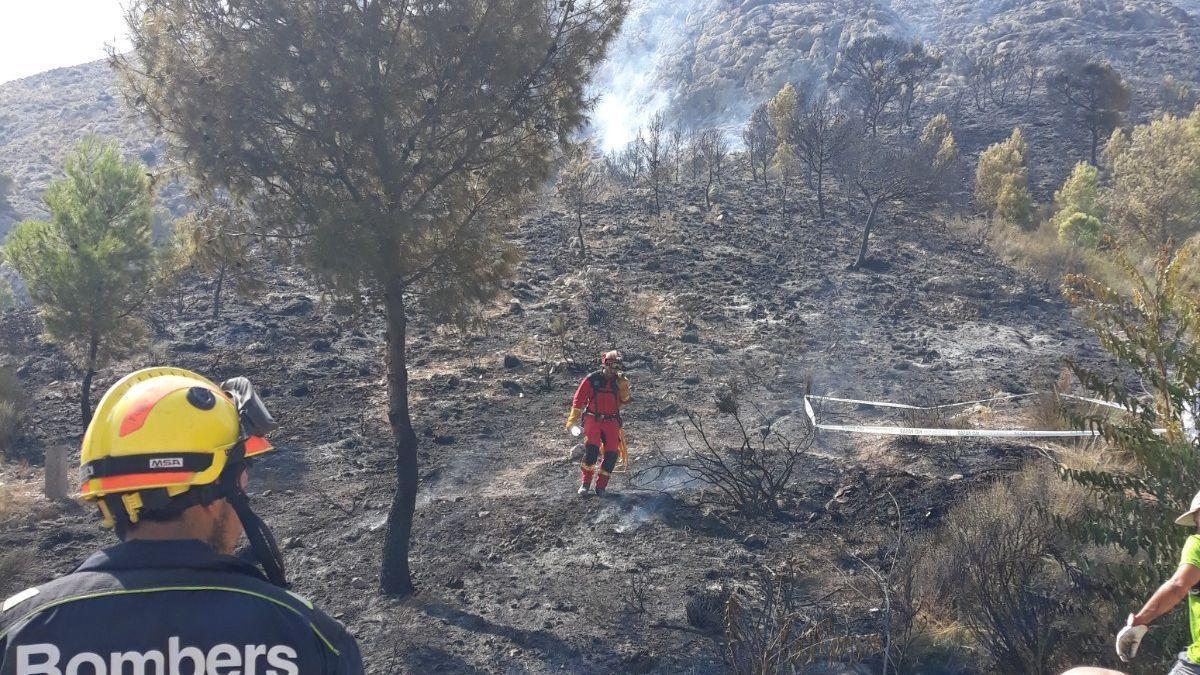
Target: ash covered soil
x=516, y=572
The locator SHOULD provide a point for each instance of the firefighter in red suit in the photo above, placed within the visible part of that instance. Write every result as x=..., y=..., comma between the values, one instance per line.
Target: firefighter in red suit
x=599, y=400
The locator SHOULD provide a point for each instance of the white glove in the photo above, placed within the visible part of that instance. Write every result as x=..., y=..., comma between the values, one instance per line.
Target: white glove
x=1129, y=639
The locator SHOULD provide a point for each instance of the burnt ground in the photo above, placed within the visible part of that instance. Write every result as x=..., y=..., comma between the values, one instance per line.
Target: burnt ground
x=517, y=573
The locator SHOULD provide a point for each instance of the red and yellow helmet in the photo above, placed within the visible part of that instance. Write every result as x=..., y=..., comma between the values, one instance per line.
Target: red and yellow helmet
x=160, y=429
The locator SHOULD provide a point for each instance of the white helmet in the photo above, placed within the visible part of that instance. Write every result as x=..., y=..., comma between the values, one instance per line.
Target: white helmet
x=1189, y=518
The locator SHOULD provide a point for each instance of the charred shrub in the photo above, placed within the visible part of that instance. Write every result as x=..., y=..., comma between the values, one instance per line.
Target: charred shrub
x=998, y=567
x=772, y=626
x=743, y=459
x=706, y=609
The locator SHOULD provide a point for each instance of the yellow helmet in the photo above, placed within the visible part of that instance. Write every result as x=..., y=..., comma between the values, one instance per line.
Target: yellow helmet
x=160, y=432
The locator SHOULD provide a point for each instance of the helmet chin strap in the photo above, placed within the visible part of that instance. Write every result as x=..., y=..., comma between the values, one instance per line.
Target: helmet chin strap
x=262, y=542
x=254, y=420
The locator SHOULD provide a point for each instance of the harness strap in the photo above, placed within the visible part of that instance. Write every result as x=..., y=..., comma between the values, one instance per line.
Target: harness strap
x=612, y=388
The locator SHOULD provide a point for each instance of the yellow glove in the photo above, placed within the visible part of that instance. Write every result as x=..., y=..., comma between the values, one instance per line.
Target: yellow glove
x=572, y=418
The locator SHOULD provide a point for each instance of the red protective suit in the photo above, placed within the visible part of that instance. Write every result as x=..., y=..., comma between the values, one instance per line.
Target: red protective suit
x=600, y=397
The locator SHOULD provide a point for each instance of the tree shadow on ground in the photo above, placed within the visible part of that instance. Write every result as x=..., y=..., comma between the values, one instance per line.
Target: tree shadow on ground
x=546, y=645
x=433, y=660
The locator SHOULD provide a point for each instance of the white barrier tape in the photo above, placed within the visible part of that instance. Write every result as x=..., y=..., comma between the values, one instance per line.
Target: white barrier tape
x=903, y=406
x=961, y=433
x=974, y=433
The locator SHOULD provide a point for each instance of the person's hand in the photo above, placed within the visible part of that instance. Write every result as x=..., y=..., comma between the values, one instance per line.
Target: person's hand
x=572, y=418
x=1129, y=639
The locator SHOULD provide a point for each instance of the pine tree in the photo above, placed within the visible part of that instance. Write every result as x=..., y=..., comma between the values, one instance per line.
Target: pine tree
x=393, y=142
x=1002, y=180
x=1078, y=210
x=1091, y=95
x=90, y=267
x=783, y=111
x=1155, y=179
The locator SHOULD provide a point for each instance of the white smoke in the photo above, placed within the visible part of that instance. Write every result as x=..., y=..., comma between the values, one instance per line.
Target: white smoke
x=628, y=84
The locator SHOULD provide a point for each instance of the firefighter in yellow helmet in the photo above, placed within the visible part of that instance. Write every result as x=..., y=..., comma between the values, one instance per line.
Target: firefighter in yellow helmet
x=165, y=462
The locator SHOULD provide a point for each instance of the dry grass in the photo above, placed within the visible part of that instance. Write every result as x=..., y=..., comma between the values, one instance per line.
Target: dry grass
x=650, y=310
x=938, y=418
x=1039, y=250
x=21, y=498
x=995, y=567
x=11, y=408
x=1049, y=410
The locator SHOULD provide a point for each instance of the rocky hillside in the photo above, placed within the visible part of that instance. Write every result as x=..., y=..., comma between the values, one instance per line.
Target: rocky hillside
x=518, y=573
x=705, y=62
x=719, y=58
x=42, y=118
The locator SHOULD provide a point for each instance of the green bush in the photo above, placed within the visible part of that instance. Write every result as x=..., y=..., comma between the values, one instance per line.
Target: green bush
x=1080, y=194
x=1081, y=229
x=1002, y=180
x=1152, y=332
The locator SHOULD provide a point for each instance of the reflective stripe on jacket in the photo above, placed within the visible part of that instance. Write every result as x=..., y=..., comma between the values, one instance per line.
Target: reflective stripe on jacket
x=172, y=607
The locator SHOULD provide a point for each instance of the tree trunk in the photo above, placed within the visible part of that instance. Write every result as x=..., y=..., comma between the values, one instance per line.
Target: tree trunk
x=579, y=231
x=395, y=576
x=821, y=195
x=783, y=212
x=866, y=237
x=85, y=391
x=1095, y=142
x=217, y=292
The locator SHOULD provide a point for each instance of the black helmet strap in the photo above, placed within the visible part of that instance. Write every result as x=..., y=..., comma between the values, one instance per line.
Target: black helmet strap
x=262, y=542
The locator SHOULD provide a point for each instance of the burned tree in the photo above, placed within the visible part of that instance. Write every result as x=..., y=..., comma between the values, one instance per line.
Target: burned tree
x=823, y=134
x=994, y=78
x=760, y=139
x=675, y=152
x=580, y=184
x=1091, y=96
x=878, y=72
x=653, y=149
x=344, y=129
x=916, y=68
x=714, y=148
x=906, y=171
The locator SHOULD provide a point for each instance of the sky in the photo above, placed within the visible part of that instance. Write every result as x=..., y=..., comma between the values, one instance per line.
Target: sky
x=39, y=35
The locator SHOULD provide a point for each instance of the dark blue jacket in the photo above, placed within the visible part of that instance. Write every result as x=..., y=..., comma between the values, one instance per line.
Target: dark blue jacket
x=169, y=608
